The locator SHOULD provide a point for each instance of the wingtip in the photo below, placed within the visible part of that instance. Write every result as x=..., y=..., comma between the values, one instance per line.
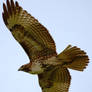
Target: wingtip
x=17, y=4
x=12, y=3
x=7, y=2
x=11, y=0
x=4, y=18
x=3, y=15
x=4, y=6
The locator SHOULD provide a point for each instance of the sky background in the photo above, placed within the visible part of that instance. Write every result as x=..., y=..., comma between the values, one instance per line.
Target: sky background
x=69, y=22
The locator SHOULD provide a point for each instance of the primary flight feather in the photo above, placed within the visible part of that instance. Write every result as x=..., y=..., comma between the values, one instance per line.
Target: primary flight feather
x=40, y=47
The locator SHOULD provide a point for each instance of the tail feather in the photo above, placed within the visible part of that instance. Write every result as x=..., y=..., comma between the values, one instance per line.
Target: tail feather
x=74, y=58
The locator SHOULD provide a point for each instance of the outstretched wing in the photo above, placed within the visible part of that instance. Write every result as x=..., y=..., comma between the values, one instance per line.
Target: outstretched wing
x=56, y=81
x=34, y=37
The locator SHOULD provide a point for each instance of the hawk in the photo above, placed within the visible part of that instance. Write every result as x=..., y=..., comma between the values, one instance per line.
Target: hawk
x=51, y=68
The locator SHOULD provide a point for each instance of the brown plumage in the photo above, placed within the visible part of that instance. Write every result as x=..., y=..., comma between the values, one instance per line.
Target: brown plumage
x=41, y=50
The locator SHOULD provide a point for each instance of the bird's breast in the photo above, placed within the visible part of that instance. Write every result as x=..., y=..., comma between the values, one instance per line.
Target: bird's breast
x=36, y=68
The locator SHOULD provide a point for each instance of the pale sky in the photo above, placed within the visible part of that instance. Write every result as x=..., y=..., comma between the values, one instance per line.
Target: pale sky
x=69, y=22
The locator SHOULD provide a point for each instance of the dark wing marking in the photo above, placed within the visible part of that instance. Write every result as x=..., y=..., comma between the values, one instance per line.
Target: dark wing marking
x=22, y=23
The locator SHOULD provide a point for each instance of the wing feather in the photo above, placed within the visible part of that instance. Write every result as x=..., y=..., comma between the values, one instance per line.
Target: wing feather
x=35, y=34
x=55, y=81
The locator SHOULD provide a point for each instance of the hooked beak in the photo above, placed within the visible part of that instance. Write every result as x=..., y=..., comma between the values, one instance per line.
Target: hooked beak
x=19, y=69
x=25, y=69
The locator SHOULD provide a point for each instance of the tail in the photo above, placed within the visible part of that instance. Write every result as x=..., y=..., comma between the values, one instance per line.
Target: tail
x=74, y=58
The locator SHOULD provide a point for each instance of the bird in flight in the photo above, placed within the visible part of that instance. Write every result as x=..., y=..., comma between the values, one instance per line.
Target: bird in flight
x=51, y=68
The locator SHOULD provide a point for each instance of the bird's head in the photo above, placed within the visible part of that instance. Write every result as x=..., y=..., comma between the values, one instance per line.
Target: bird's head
x=25, y=68
x=33, y=68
